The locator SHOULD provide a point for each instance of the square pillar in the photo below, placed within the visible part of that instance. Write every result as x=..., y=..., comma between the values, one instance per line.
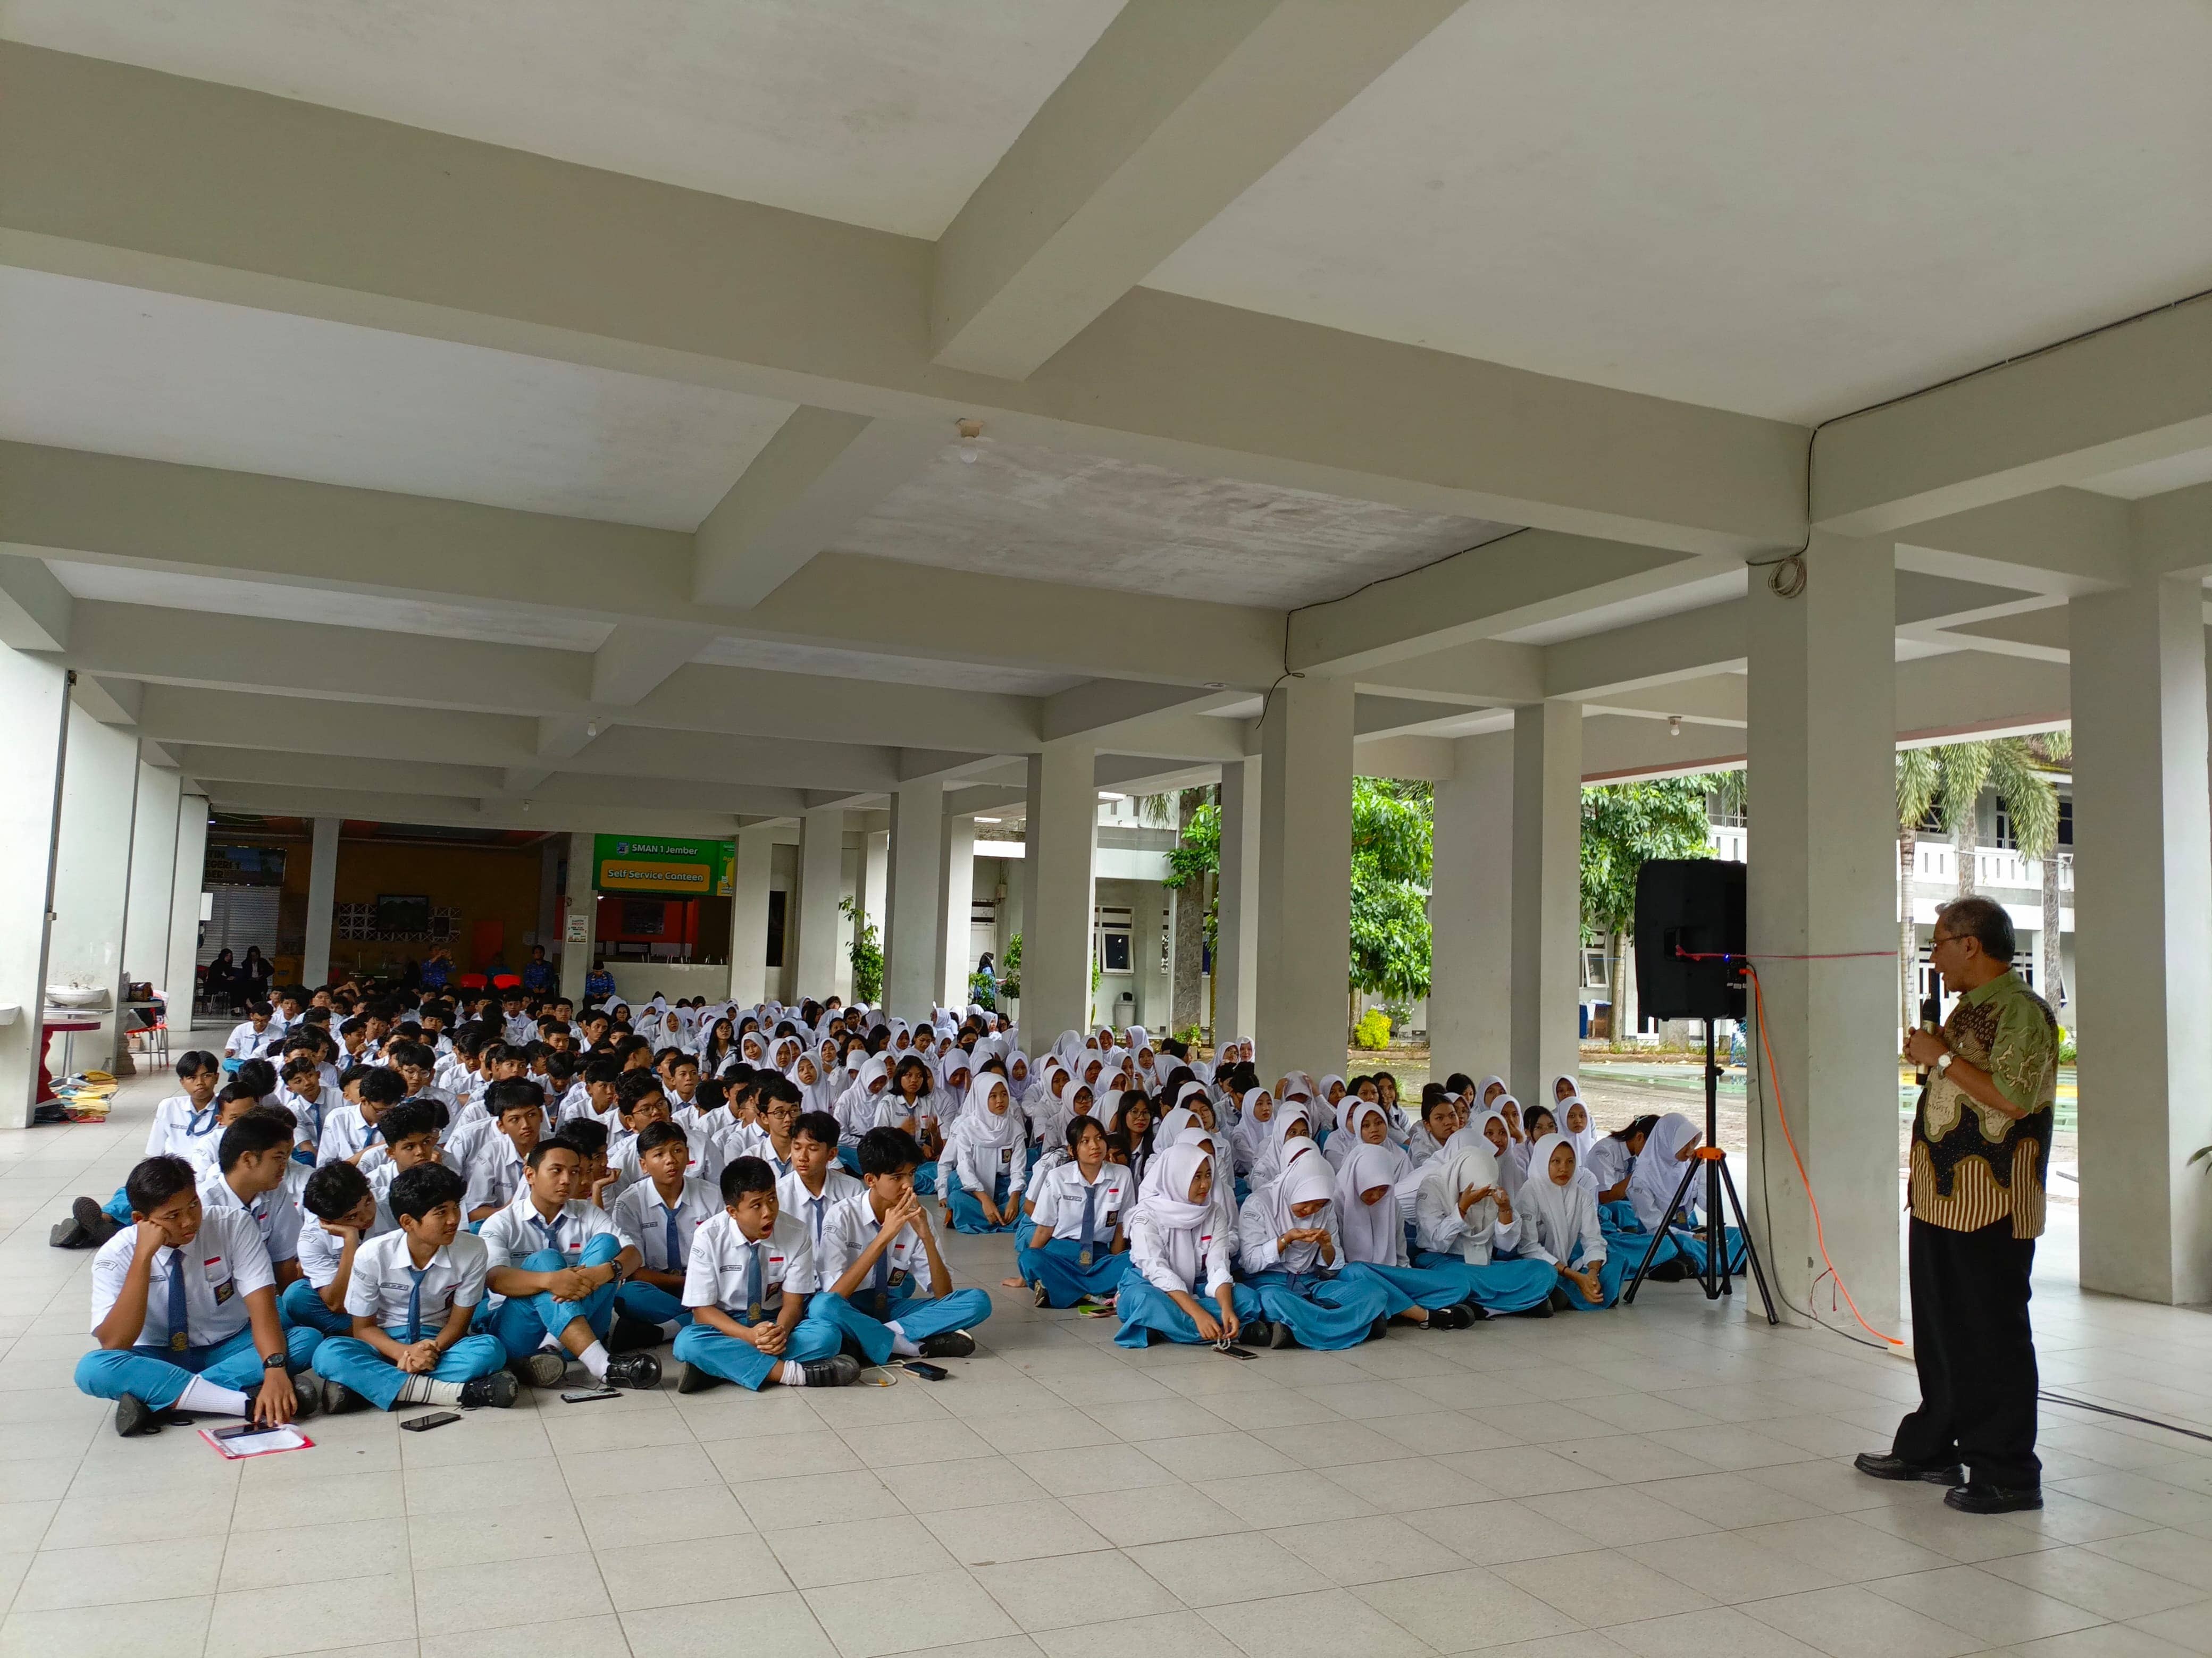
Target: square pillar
x=34, y=733
x=2142, y=942
x=820, y=884
x=875, y=884
x=1547, y=908
x=322, y=903
x=92, y=872
x=1470, y=910
x=1821, y=776
x=153, y=873
x=748, y=888
x=958, y=884
x=1058, y=914
x=187, y=886
x=578, y=900
x=1236, y=917
x=913, y=901
x=1304, y=954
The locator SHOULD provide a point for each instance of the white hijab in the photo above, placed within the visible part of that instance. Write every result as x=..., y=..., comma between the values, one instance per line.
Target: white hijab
x=1554, y=1211
x=1468, y=1168
x=1168, y=1205
x=1472, y=1137
x=1651, y=1184
x=984, y=1130
x=1372, y=1232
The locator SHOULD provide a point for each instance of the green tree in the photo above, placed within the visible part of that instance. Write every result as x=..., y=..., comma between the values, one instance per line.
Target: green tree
x=1392, y=849
x=867, y=954
x=1194, y=869
x=1624, y=825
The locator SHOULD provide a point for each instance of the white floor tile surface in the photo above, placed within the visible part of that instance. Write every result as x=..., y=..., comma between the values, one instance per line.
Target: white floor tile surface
x=1670, y=1478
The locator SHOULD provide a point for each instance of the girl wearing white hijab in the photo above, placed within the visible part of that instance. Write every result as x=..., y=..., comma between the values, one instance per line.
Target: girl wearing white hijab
x=1575, y=1123
x=1558, y=1224
x=1256, y=1127
x=1369, y=1222
x=1488, y=1130
x=1294, y=1257
x=1293, y=1137
x=1074, y=1249
x=1441, y=1119
x=856, y=1109
x=1178, y=1252
x=1658, y=1172
x=1464, y=1223
x=988, y=1154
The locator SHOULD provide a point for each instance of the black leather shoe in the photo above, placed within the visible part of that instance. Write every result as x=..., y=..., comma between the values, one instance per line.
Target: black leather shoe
x=1976, y=1497
x=135, y=1416
x=1670, y=1271
x=638, y=1370
x=1280, y=1336
x=497, y=1391
x=693, y=1380
x=94, y=1222
x=338, y=1399
x=838, y=1370
x=947, y=1344
x=1882, y=1465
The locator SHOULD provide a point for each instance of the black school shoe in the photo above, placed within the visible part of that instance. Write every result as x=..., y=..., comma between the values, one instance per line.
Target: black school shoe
x=1882, y=1465
x=632, y=1335
x=693, y=1380
x=838, y=1370
x=496, y=1391
x=1453, y=1317
x=135, y=1418
x=1976, y=1496
x=640, y=1371
x=338, y=1399
x=306, y=1394
x=948, y=1343
x=88, y=1227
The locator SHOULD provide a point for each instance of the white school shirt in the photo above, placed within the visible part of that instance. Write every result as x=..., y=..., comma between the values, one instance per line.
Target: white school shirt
x=466, y=1129
x=519, y=1031
x=1439, y=1228
x=496, y=1175
x=702, y=1163
x=221, y=1265
x=721, y=1257
x=515, y=1233
x=642, y=1216
x=245, y=1042
x=793, y=1198
x=384, y=1277
x=849, y=1227
x=345, y=1134
x=310, y=1113
x=1257, y=1240
x=177, y=1130
x=1060, y=1203
x=322, y=1250
x=1177, y=1258
x=276, y=1214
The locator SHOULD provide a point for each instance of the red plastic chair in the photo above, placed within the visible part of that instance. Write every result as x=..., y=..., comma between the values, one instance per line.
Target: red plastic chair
x=471, y=981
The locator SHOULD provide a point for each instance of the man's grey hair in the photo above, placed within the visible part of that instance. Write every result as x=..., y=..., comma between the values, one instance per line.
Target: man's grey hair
x=1984, y=920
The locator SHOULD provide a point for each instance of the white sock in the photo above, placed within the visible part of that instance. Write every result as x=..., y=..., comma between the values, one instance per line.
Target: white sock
x=594, y=1359
x=422, y=1390
x=671, y=1328
x=199, y=1395
x=902, y=1343
x=791, y=1373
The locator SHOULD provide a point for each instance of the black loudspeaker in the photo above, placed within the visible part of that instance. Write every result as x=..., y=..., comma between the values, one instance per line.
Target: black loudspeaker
x=1689, y=907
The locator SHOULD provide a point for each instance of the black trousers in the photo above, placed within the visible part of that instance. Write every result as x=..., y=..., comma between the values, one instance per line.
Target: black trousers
x=1976, y=1352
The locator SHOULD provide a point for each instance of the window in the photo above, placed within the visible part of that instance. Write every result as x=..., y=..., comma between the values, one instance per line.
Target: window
x=1114, y=950
x=1722, y=815
x=2006, y=839
x=2066, y=820
x=1594, y=969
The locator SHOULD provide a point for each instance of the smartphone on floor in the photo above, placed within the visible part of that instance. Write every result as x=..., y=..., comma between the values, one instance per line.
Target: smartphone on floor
x=927, y=1372
x=419, y=1424
x=586, y=1397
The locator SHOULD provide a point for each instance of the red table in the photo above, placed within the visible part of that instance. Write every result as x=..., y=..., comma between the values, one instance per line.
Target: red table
x=65, y=1022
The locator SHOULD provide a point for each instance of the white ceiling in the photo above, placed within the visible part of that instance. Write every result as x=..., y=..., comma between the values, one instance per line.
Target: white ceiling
x=86, y=365
x=1788, y=208
x=1095, y=522
x=730, y=653
x=1672, y=601
x=882, y=112
x=168, y=591
x=2155, y=478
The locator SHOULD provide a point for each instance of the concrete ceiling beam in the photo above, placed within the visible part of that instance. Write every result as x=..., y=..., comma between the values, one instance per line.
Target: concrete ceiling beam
x=2058, y=543
x=450, y=812
x=35, y=609
x=1175, y=110
x=638, y=656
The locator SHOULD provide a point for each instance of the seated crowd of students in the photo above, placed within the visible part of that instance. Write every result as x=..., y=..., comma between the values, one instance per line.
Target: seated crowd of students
x=393, y=1201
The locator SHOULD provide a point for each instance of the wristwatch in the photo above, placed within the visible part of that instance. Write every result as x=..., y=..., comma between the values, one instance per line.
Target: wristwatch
x=274, y=1361
x=1943, y=1064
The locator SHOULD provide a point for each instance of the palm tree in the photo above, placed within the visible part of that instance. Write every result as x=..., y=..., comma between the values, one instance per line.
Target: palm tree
x=1919, y=778
x=2050, y=748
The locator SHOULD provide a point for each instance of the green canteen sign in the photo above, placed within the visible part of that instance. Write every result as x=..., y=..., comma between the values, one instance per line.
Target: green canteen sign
x=678, y=869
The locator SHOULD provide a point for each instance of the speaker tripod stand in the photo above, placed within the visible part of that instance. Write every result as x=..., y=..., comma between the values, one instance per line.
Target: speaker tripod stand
x=1712, y=1162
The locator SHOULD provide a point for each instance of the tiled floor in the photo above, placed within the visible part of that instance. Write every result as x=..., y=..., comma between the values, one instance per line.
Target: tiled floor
x=1667, y=1479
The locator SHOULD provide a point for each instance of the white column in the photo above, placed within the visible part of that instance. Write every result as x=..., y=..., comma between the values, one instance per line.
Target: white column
x=1058, y=907
x=34, y=730
x=187, y=886
x=153, y=874
x=821, y=883
x=1820, y=779
x=578, y=900
x=875, y=878
x=322, y=902
x=1237, y=921
x=914, y=959
x=959, y=885
x=2142, y=941
x=1471, y=911
x=1546, y=904
x=92, y=871
x=1304, y=953
x=749, y=888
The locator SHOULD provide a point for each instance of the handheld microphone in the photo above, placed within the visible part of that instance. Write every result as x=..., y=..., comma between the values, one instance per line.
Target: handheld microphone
x=1928, y=1023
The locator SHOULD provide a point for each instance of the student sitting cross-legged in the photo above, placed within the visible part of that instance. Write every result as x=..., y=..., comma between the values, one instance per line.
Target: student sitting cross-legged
x=556, y=1263
x=343, y=1212
x=659, y=1216
x=183, y=1306
x=1179, y=1251
x=410, y=1295
x=1075, y=1252
x=750, y=1288
x=876, y=1247
x=817, y=1181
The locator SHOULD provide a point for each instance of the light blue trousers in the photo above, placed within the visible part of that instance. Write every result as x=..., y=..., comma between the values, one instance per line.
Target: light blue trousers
x=1408, y=1287
x=352, y=1363
x=158, y=1375
x=967, y=1214
x=1064, y=1282
x=1611, y=1273
x=1147, y=1311
x=301, y=1308
x=523, y=1322
x=1326, y=1313
x=652, y=1303
x=1504, y=1285
x=812, y=1337
x=917, y=1315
